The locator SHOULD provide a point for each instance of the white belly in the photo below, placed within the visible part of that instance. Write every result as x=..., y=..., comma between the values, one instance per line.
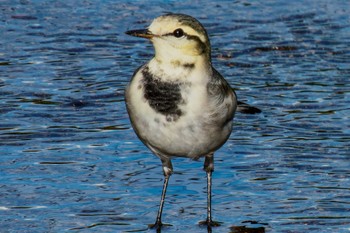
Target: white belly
x=201, y=129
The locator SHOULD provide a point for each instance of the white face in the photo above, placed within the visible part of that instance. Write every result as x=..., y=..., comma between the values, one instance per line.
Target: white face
x=174, y=39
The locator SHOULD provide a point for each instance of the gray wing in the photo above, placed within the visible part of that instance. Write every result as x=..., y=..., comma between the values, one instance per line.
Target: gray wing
x=224, y=97
x=219, y=86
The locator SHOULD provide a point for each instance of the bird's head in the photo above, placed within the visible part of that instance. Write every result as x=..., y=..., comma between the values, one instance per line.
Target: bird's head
x=176, y=37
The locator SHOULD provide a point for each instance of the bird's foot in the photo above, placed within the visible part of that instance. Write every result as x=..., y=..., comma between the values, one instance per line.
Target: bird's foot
x=158, y=225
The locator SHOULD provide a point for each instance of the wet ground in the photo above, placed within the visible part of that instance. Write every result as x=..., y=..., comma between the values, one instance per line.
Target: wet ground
x=70, y=161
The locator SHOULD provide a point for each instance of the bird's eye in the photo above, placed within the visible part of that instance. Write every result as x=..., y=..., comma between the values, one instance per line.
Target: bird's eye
x=178, y=33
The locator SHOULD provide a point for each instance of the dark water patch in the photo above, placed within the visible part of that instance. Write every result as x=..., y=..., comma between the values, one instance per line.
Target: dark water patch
x=5, y=63
x=24, y=17
x=78, y=103
x=58, y=163
x=245, y=229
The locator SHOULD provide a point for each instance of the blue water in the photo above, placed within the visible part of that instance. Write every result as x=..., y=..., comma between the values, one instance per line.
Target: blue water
x=70, y=161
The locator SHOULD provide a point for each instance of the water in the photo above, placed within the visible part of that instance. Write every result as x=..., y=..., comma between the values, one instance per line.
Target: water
x=71, y=163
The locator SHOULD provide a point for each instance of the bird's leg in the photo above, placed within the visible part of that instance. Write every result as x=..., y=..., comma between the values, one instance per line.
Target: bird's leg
x=167, y=170
x=209, y=168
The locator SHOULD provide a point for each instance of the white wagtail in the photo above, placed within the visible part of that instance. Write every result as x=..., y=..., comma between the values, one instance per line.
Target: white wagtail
x=178, y=104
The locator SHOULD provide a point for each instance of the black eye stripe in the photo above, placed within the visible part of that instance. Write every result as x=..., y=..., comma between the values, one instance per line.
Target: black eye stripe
x=191, y=37
x=200, y=43
x=172, y=34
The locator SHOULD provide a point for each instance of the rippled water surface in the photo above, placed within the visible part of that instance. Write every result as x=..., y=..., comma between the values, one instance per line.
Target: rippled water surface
x=70, y=161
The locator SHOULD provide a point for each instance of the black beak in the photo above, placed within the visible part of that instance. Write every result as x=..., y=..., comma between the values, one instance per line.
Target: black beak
x=144, y=33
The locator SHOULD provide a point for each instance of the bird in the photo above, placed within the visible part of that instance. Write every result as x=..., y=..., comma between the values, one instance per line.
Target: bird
x=179, y=105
